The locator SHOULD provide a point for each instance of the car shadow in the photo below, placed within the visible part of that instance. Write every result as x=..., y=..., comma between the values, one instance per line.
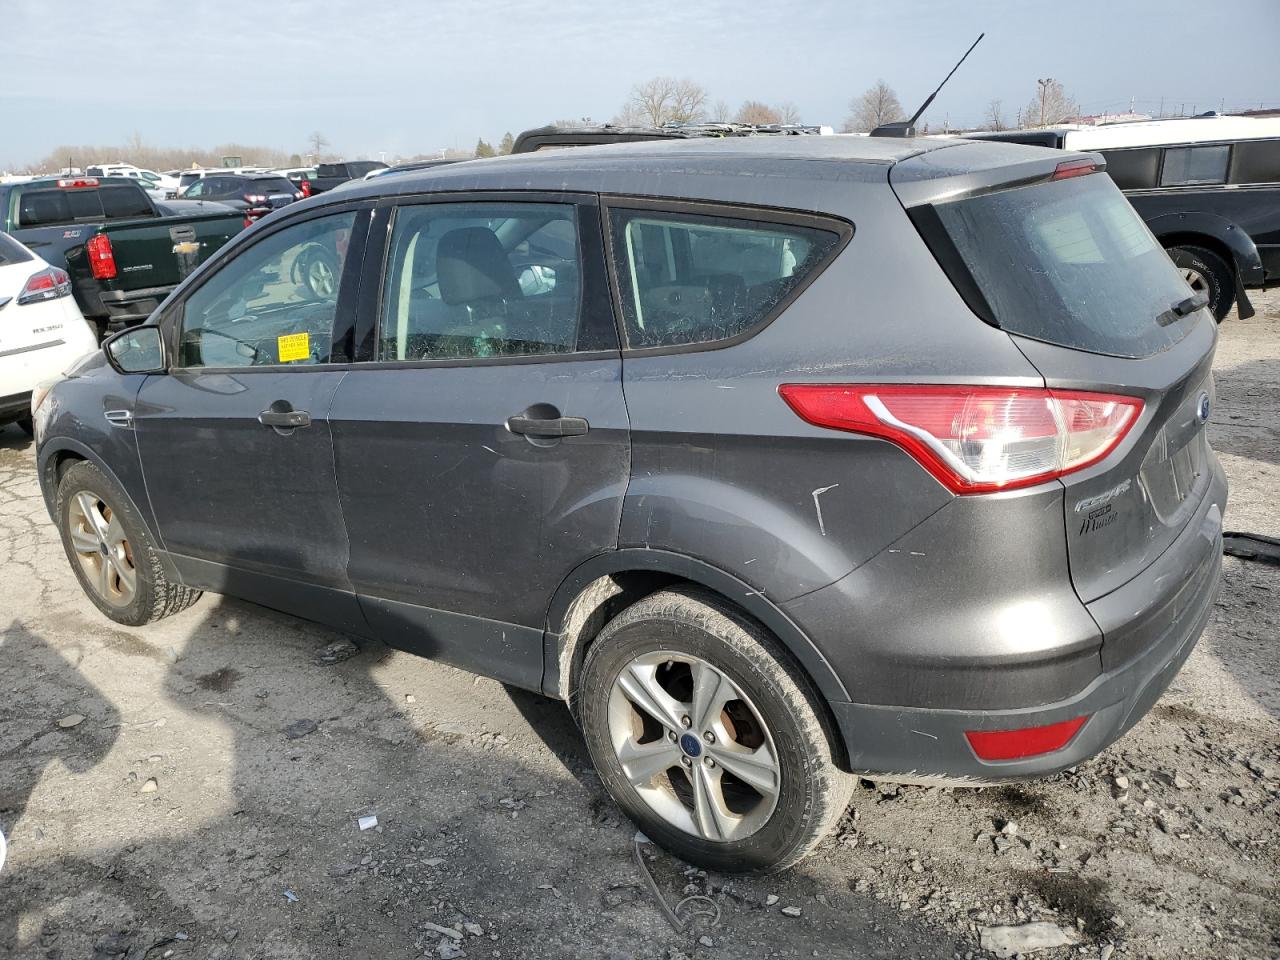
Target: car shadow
x=52, y=718
x=13, y=437
x=248, y=845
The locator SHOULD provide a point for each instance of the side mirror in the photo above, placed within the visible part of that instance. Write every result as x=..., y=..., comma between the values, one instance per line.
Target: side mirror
x=137, y=350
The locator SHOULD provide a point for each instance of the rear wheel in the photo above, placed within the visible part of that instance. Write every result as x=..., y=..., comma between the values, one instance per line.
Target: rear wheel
x=1207, y=273
x=111, y=551
x=707, y=736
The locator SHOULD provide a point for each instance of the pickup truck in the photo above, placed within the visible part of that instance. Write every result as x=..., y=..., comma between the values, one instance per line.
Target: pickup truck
x=123, y=250
x=330, y=175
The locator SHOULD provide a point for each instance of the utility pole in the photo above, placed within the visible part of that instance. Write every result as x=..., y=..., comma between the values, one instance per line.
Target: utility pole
x=1044, y=87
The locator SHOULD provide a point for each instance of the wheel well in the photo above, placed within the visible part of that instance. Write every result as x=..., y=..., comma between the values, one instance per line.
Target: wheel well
x=605, y=597
x=1212, y=244
x=59, y=464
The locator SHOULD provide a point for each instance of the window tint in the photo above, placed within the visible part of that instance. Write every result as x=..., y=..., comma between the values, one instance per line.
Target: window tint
x=274, y=303
x=1068, y=262
x=332, y=169
x=1256, y=161
x=1133, y=169
x=124, y=201
x=59, y=206
x=468, y=280
x=11, y=251
x=1190, y=165
x=687, y=278
x=268, y=185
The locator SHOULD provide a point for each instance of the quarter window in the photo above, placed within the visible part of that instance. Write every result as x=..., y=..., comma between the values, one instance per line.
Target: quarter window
x=474, y=280
x=1186, y=166
x=273, y=304
x=688, y=278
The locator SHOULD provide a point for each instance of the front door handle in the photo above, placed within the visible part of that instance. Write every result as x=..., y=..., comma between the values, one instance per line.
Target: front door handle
x=548, y=427
x=282, y=418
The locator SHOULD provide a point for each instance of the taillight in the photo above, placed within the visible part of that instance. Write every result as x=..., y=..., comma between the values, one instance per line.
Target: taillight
x=976, y=439
x=305, y=187
x=102, y=261
x=45, y=285
x=248, y=222
x=1073, y=168
x=1025, y=742
x=254, y=198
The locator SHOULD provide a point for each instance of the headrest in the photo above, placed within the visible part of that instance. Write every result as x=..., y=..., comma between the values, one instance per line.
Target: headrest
x=471, y=265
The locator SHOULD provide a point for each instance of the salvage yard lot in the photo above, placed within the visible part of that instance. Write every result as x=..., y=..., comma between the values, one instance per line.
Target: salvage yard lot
x=209, y=794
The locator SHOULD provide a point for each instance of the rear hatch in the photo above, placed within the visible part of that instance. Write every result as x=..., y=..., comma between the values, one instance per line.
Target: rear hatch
x=1061, y=262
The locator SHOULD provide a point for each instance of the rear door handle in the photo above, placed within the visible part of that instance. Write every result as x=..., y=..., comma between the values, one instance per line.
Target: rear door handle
x=548, y=427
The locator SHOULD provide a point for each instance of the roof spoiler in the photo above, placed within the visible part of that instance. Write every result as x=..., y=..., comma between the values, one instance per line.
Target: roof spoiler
x=907, y=128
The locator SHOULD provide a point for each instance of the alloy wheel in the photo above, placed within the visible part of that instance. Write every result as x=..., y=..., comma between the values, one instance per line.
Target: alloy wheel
x=1196, y=280
x=103, y=550
x=693, y=746
x=320, y=278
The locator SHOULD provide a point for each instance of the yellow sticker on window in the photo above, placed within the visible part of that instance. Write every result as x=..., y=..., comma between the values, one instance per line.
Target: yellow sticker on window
x=293, y=346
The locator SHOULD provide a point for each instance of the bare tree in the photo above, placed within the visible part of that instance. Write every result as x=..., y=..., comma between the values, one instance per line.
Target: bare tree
x=1050, y=105
x=788, y=112
x=753, y=111
x=879, y=104
x=995, y=116
x=667, y=100
x=317, y=142
x=721, y=112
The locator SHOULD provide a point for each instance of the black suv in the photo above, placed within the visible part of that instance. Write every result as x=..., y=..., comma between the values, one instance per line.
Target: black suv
x=257, y=194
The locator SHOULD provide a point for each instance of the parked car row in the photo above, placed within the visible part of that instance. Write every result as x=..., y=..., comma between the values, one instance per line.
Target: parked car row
x=689, y=428
x=122, y=251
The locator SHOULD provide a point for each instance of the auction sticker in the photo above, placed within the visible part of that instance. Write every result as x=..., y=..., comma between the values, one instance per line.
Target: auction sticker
x=293, y=346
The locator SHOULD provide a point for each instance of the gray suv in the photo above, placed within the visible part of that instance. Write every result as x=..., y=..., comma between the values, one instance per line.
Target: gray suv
x=778, y=459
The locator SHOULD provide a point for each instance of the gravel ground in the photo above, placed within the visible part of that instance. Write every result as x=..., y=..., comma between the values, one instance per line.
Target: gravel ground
x=206, y=804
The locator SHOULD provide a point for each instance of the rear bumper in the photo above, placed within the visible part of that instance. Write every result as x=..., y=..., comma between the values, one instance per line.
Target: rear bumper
x=15, y=406
x=123, y=308
x=1167, y=607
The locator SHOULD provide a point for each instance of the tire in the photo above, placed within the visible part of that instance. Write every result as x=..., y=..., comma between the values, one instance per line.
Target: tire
x=676, y=642
x=27, y=425
x=1207, y=272
x=126, y=580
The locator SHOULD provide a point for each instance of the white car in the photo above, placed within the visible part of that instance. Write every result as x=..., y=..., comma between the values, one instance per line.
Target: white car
x=42, y=331
x=159, y=186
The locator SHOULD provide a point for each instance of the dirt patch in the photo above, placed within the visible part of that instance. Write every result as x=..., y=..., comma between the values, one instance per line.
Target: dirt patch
x=1075, y=897
x=1017, y=800
x=220, y=680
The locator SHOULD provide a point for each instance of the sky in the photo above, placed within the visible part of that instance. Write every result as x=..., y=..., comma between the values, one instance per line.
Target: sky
x=412, y=76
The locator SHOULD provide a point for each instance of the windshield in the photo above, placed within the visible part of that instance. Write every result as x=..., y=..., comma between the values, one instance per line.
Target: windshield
x=1070, y=262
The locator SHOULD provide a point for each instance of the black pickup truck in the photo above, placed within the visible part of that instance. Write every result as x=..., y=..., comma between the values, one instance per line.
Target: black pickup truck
x=123, y=250
x=330, y=175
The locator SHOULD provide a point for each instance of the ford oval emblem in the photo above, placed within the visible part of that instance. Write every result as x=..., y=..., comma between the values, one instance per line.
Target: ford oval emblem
x=1202, y=407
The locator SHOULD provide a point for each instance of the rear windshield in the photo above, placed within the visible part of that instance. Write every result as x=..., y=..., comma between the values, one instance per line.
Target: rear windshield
x=11, y=251
x=1070, y=262
x=272, y=185
x=40, y=207
x=332, y=169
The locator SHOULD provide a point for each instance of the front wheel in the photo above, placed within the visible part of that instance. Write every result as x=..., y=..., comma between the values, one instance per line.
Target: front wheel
x=707, y=736
x=1207, y=273
x=111, y=551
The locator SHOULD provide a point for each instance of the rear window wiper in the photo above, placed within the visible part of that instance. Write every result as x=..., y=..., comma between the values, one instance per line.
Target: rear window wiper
x=1183, y=308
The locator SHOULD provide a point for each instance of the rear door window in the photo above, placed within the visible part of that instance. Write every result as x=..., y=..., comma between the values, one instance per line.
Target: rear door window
x=1188, y=166
x=1068, y=262
x=1256, y=161
x=687, y=278
x=476, y=280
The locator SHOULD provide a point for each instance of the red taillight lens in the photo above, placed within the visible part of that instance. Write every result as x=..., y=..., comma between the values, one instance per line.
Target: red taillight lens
x=976, y=439
x=1073, y=168
x=45, y=285
x=305, y=187
x=102, y=261
x=1026, y=742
